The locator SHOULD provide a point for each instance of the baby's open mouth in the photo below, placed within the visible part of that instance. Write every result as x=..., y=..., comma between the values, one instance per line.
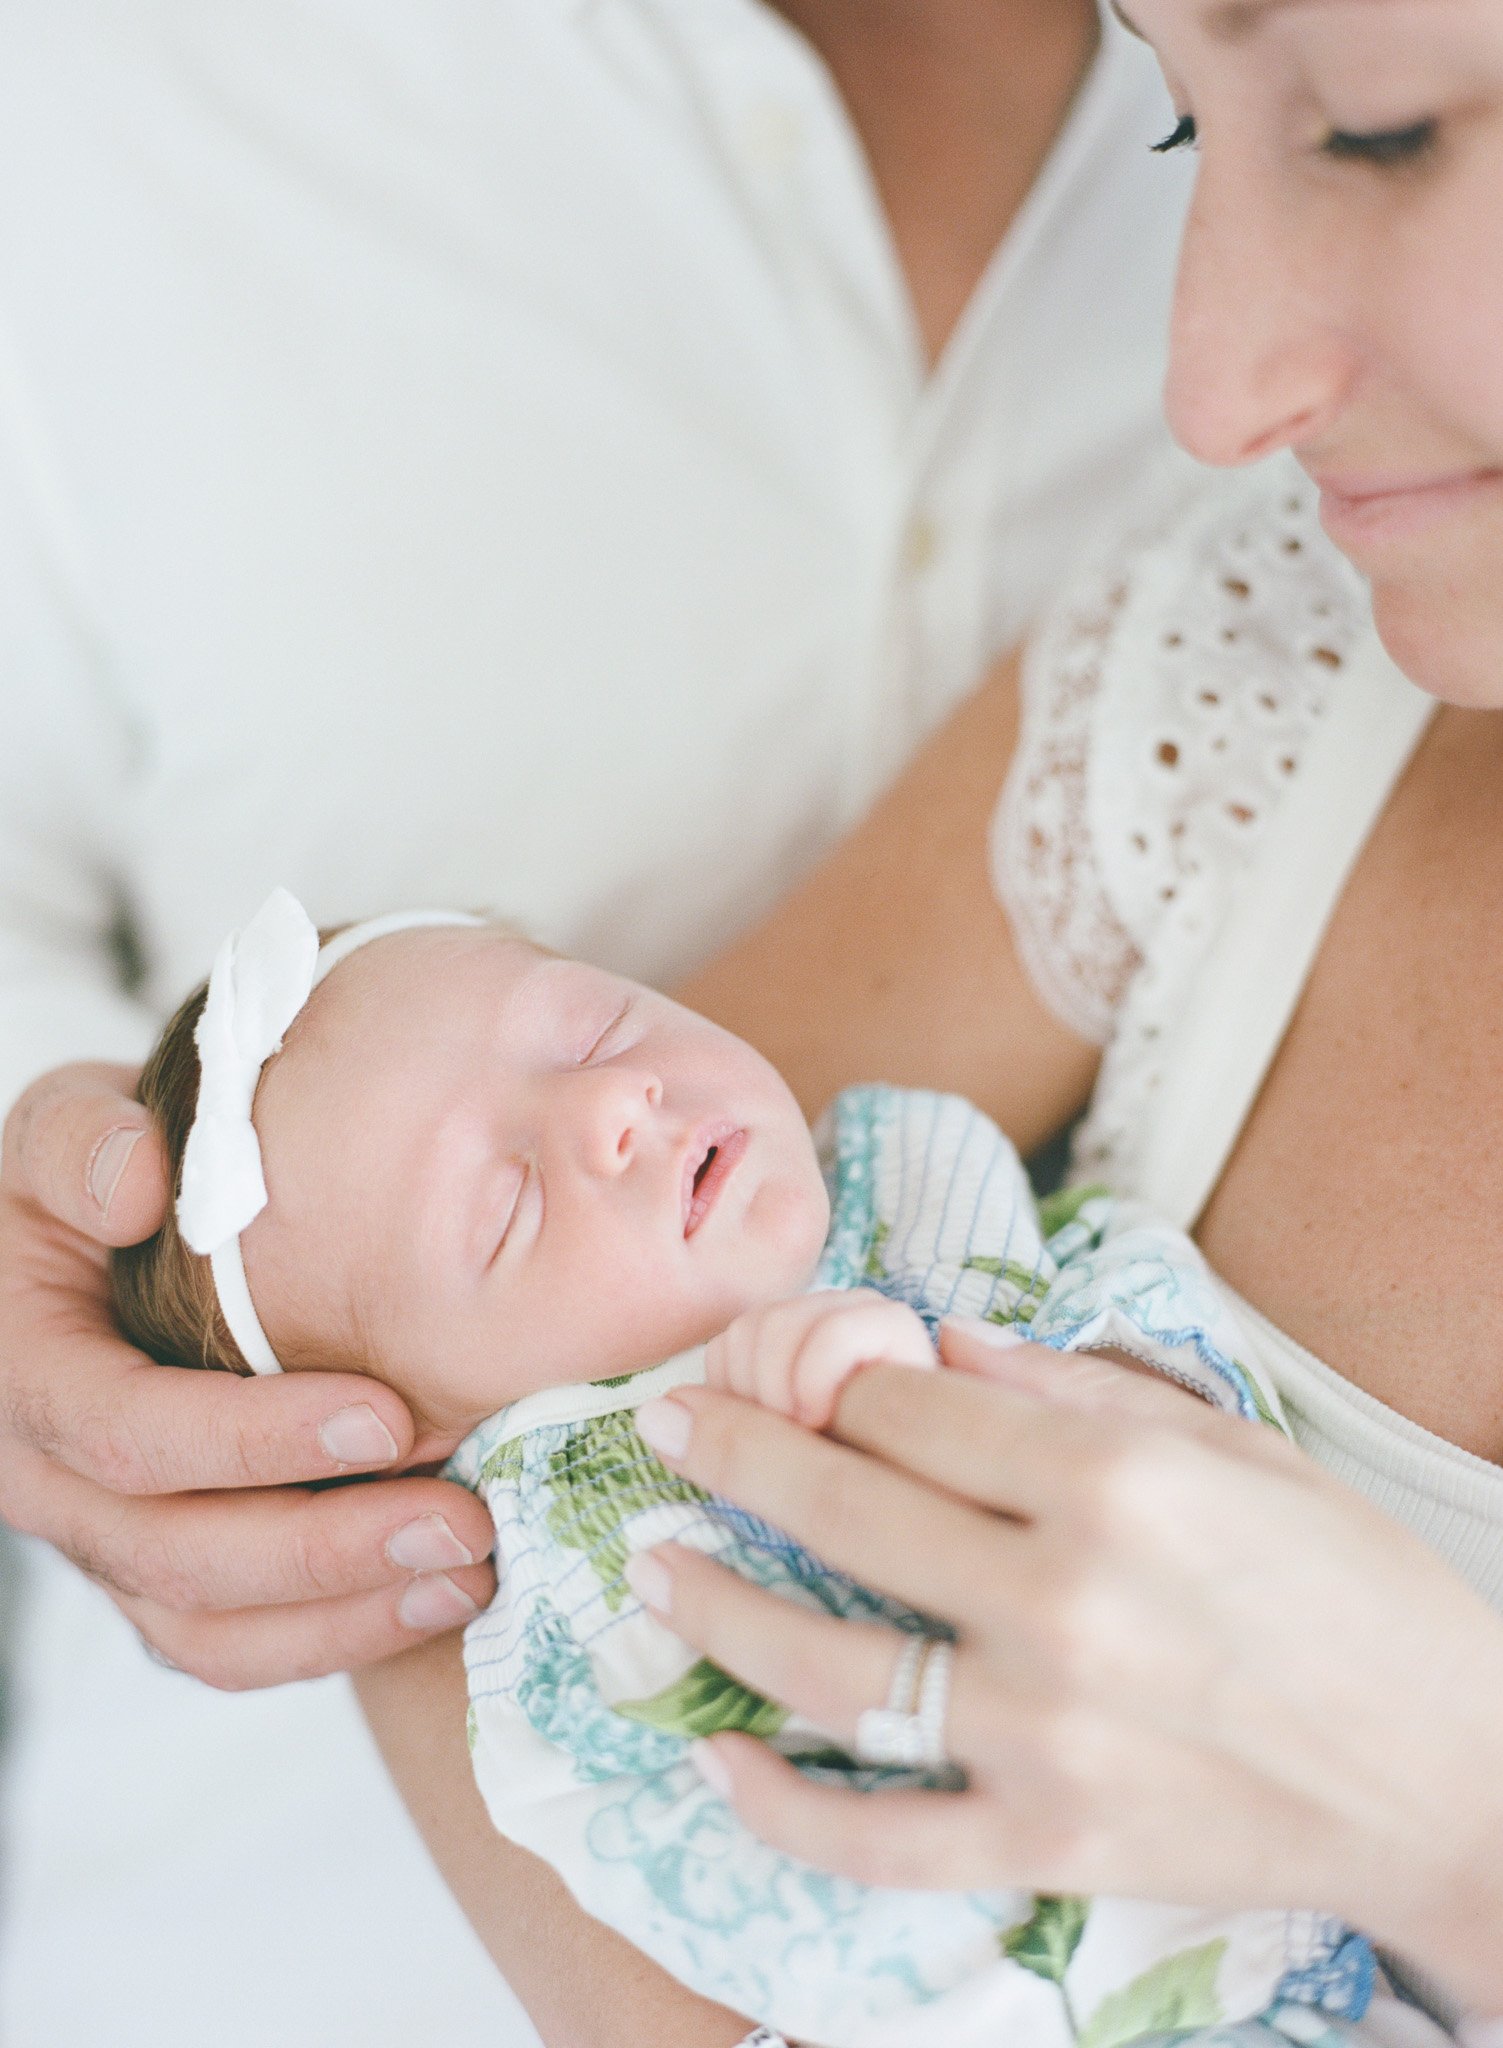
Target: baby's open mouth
x=712, y=1160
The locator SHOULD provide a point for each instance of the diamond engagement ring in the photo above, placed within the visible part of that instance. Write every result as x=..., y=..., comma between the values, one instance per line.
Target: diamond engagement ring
x=909, y=1729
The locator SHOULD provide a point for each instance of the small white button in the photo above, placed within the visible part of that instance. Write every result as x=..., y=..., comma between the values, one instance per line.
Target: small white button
x=921, y=544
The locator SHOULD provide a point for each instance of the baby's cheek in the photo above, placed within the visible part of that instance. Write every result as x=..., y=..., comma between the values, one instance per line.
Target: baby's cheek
x=785, y=1227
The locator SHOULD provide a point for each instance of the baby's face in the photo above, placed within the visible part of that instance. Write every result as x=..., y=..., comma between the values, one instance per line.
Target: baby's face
x=491, y=1171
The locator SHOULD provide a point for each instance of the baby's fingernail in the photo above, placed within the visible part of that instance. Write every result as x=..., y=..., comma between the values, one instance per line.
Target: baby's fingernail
x=426, y=1545
x=999, y=1336
x=107, y=1166
x=706, y=1760
x=358, y=1436
x=665, y=1425
x=650, y=1580
x=435, y=1602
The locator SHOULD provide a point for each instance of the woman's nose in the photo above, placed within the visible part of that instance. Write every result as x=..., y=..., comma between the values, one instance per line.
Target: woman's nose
x=616, y=1106
x=1257, y=360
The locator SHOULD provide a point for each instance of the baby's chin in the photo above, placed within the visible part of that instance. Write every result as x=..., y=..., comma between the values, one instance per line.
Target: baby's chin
x=787, y=1222
x=776, y=1256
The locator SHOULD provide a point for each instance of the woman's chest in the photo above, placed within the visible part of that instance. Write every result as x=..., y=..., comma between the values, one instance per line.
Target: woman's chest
x=1362, y=1208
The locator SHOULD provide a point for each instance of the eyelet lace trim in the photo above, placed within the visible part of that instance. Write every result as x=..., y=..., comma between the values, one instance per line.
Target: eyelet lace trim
x=1167, y=706
x=1045, y=870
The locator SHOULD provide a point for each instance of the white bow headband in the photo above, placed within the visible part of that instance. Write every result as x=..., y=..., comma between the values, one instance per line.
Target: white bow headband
x=261, y=980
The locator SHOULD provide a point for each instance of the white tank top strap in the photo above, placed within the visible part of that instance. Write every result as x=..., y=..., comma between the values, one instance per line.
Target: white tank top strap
x=1246, y=992
x=1446, y=1495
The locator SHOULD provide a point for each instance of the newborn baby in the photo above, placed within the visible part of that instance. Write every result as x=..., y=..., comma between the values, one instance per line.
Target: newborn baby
x=528, y=1194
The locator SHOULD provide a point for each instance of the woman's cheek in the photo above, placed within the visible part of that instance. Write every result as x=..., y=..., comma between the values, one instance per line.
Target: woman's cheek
x=1456, y=313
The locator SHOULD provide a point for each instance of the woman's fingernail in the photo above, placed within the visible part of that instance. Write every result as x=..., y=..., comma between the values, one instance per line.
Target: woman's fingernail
x=426, y=1545
x=997, y=1336
x=358, y=1436
x=706, y=1760
x=665, y=1425
x=651, y=1581
x=108, y=1162
x=435, y=1602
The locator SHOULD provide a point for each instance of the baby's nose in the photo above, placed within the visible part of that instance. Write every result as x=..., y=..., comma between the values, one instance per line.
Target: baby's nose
x=620, y=1104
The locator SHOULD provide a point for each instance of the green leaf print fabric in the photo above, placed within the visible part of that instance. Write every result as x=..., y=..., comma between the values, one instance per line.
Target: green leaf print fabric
x=1175, y=1995
x=1048, y=1938
x=583, y=1705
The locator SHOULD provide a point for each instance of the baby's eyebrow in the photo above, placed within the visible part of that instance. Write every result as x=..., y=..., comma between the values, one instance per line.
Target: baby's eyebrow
x=546, y=994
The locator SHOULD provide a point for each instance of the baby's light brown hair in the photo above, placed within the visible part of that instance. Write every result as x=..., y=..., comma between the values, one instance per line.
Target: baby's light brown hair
x=164, y=1293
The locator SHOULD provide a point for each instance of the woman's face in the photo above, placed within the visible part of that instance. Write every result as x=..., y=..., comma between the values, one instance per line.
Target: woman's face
x=1341, y=289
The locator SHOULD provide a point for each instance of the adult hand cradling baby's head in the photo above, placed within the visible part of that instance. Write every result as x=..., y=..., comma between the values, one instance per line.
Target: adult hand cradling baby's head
x=490, y=1170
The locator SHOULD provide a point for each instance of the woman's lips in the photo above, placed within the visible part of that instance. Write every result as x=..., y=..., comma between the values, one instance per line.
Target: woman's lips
x=712, y=1159
x=1359, y=512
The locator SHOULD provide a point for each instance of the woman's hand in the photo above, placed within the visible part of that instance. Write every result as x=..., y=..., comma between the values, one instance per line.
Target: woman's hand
x=180, y=1491
x=1190, y=1666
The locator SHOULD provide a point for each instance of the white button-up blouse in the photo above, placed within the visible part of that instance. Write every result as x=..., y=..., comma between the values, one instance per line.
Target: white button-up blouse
x=482, y=453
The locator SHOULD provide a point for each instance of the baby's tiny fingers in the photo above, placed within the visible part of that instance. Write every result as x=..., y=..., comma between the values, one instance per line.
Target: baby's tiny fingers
x=720, y=1363
x=868, y=1331
x=755, y=1356
x=731, y=1358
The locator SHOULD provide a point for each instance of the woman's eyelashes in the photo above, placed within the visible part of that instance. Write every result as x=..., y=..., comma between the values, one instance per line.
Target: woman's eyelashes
x=1180, y=136
x=1382, y=147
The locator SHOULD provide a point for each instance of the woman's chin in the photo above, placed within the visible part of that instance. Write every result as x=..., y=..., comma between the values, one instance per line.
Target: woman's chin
x=1446, y=636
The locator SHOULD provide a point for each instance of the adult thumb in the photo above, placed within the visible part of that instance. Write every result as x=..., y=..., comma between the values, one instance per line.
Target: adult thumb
x=1077, y=1379
x=78, y=1145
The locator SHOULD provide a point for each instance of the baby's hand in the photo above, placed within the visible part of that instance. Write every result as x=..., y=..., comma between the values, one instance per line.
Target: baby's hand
x=797, y=1355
